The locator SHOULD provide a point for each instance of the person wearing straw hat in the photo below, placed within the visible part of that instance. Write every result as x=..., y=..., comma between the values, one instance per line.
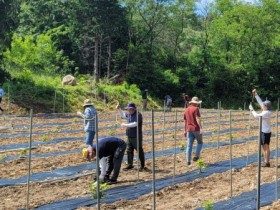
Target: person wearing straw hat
x=89, y=117
x=113, y=149
x=131, y=132
x=2, y=93
x=193, y=128
x=266, y=125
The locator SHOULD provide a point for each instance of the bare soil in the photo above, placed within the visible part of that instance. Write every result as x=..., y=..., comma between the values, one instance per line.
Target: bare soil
x=189, y=195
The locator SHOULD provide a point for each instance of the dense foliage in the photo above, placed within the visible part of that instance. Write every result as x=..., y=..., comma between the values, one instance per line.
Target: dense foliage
x=217, y=51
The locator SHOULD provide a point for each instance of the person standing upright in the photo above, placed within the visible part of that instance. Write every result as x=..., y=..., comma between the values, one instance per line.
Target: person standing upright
x=186, y=100
x=89, y=117
x=168, y=102
x=193, y=128
x=2, y=93
x=133, y=121
x=266, y=125
x=145, y=98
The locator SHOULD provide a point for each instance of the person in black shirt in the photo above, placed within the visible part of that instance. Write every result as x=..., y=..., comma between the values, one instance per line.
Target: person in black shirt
x=144, y=97
x=113, y=149
x=133, y=121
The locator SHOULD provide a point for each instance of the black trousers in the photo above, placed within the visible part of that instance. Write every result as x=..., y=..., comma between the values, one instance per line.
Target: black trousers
x=131, y=146
x=115, y=162
x=0, y=102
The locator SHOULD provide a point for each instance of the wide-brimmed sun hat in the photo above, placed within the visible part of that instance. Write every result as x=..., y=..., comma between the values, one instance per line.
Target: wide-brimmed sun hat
x=87, y=102
x=195, y=100
x=130, y=106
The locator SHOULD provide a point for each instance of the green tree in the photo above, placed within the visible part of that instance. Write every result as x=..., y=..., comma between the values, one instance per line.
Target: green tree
x=36, y=54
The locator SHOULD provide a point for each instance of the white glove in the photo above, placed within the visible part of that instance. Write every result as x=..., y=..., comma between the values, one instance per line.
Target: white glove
x=79, y=113
x=251, y=108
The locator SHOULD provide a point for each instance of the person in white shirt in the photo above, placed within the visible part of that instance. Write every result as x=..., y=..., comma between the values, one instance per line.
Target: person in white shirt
x=2, y=93
x=266, y=125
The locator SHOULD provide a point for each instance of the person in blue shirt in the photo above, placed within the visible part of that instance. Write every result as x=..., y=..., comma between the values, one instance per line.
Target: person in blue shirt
x=2, y=93
x=89, y=117
x=168, y=102
x=113, y=149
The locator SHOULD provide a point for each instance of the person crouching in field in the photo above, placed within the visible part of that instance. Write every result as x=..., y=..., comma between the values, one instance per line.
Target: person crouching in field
x=266, y=125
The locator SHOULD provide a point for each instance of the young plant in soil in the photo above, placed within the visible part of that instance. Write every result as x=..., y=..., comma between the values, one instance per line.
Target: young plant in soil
x=112, y=132
x=56, y=130
x=22, y=153
x=74, y=121
x=45, y=137
x=93, y=188
x=208, y=205
x=2, y=158
x=200, y=165
x=182, y=145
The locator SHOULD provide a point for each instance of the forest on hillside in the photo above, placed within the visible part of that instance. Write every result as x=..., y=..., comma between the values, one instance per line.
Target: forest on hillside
x=217, y=50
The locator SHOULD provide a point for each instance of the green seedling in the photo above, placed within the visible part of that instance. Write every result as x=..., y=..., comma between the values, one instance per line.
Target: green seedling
x=45, y=137
x=182, y=145
x=112, y=132
x=230, y=136
x=74, y=121
x=201, y=165
x=173, y=135
x=102, y=188
x=208, y=205
x=22, y=152
x=56, y=130
x=2, y=158
x=215, y=130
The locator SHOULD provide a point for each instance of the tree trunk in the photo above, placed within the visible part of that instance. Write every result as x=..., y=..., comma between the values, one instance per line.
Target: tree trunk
x=95, y=65
x=109, y=58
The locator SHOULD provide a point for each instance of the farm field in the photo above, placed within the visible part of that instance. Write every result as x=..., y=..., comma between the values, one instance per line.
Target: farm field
x=58, y=171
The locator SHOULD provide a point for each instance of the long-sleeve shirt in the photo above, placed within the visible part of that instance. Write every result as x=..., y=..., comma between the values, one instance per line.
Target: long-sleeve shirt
x=89, y=118
x=2, y=93
x=108, y=145
x=131, y=125
x=266, y=116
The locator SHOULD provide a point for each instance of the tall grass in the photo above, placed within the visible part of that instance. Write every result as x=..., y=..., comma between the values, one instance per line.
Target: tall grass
x=45, y=93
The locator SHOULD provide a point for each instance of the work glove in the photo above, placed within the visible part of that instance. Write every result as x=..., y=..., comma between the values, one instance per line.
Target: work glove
x=79, y=113
x=251, y=107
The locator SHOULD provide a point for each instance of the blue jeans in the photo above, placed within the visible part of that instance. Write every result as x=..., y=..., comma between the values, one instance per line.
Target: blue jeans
x=191, y=136
x=90, y=137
